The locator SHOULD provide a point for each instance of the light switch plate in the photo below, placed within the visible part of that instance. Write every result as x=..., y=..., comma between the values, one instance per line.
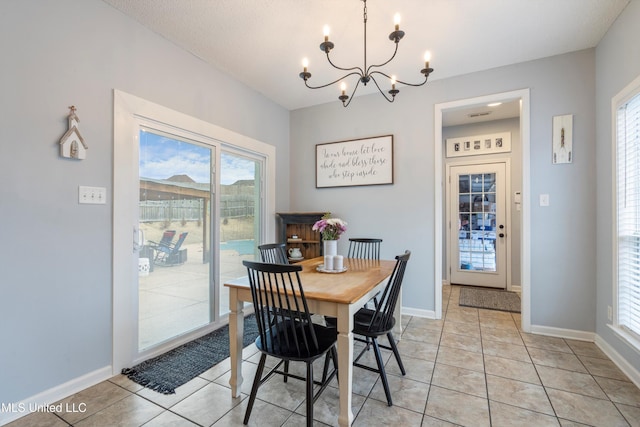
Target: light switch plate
x=92, y=195
x=544, y=200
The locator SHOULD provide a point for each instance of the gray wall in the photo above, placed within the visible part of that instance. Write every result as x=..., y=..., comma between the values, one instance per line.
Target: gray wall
x=515, y=155
x=562, y=238
x=617, y=65
x=55, y=261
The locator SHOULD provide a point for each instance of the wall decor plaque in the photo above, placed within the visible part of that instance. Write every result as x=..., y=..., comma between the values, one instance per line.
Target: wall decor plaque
x=562, y=141
x=366, y=161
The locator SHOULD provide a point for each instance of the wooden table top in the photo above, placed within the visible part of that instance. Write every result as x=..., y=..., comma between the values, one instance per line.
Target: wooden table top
x=361, y=276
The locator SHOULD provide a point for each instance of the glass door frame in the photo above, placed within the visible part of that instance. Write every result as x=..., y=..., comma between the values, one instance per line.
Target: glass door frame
x=129, y=112
x=262, y=232
x=187, y=137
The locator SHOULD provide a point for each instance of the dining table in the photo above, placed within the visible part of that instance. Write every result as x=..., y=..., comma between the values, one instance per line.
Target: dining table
x=333, y=294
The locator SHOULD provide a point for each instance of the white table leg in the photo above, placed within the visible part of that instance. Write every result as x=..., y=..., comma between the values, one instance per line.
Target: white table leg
x=345, y=364
x=236, y=336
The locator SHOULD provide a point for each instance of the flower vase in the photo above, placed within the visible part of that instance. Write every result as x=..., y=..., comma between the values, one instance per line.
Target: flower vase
x=330, y=247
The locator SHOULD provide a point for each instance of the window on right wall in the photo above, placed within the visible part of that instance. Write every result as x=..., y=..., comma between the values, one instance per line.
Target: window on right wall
x=626, y=116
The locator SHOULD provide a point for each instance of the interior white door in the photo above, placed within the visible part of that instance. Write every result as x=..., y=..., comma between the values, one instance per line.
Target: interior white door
x=478, y=229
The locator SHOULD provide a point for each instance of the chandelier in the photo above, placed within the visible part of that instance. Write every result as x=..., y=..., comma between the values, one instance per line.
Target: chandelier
x=366, y=73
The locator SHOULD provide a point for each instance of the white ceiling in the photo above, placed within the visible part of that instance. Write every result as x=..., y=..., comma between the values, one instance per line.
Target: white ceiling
x=262, y=42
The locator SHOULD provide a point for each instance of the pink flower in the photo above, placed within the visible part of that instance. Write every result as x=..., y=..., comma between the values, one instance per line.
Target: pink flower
x=331, y=228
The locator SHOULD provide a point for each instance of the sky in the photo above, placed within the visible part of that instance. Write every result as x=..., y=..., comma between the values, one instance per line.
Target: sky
x=162, y=157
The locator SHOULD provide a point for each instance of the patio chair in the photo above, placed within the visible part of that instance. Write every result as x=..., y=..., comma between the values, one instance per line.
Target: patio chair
x=167, y=238
x=373, y=323
x=274, y=253
x=286, y=331
x=170, y=254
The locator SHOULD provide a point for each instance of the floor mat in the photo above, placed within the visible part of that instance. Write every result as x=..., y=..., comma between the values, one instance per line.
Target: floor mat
x=490, y=299
x=176, y=367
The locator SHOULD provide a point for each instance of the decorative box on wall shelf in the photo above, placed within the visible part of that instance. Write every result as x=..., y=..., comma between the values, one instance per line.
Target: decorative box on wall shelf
x=299, y=224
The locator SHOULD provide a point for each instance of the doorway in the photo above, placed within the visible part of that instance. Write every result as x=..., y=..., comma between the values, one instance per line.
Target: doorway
x=477, y=235
x=523, y=158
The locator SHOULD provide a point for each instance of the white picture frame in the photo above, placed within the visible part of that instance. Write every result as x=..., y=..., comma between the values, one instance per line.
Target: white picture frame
x=478, y=144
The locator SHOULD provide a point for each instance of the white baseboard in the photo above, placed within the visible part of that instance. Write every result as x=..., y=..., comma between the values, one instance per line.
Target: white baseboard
x=408, y=311
x=616, y=358
x=563, y=333
x=15, y=410
x=620, y=362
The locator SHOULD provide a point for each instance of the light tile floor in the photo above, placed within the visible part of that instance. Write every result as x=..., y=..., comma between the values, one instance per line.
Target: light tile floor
x=474, y=368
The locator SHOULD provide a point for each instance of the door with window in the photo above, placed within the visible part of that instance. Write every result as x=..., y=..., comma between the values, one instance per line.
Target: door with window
x=477, y=221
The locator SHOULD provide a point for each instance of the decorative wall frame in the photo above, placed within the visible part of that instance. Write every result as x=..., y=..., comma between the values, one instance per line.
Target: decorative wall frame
x=562, y=142
x=479, y=144
x=366, y=161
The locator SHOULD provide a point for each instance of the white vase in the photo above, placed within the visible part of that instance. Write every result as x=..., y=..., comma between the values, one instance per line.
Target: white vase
x=330, y=247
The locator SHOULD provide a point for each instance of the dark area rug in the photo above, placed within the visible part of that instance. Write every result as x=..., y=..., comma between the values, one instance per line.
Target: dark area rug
x=174, y=368
x=490, y=299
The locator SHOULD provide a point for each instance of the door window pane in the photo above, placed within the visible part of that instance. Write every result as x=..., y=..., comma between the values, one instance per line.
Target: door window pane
x=239, y=217
x=174, y=217
x=477, y=222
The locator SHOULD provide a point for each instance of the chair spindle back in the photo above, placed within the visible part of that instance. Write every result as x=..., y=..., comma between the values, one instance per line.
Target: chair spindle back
x=274, y=253
x=386, y=303
x=282, y=314
x=364, y=248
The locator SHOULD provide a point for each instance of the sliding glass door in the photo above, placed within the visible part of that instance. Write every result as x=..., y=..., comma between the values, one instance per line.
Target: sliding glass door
x=240, y=215
x=191, y=201
x=175, y=256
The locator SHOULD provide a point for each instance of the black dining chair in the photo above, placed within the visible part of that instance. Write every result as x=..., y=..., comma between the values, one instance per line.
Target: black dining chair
x=285, y=330
x=364, y=248
x=373, y=323
x=274, y=253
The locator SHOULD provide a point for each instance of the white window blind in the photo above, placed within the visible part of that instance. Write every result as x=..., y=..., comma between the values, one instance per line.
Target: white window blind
x=628, y=214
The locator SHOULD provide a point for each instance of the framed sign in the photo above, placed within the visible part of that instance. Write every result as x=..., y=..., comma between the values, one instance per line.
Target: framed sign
x=367, y=161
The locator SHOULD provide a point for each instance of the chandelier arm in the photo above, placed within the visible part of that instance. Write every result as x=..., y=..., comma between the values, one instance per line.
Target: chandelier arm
x=400, y=81
x=361, y=71
x=380, y=90
x=384, y=63
x=352, y=94
x=333, y=82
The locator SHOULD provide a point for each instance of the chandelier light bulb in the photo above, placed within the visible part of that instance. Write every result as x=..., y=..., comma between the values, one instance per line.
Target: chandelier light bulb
x=343, y=87
x=393, y=82
x=396, y=21
x=427, y=58
x=325, y=31
x=305, y=63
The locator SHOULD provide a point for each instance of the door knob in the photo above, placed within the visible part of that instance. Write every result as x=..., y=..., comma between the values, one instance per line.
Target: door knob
x=501, y=234
x=501, y=226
